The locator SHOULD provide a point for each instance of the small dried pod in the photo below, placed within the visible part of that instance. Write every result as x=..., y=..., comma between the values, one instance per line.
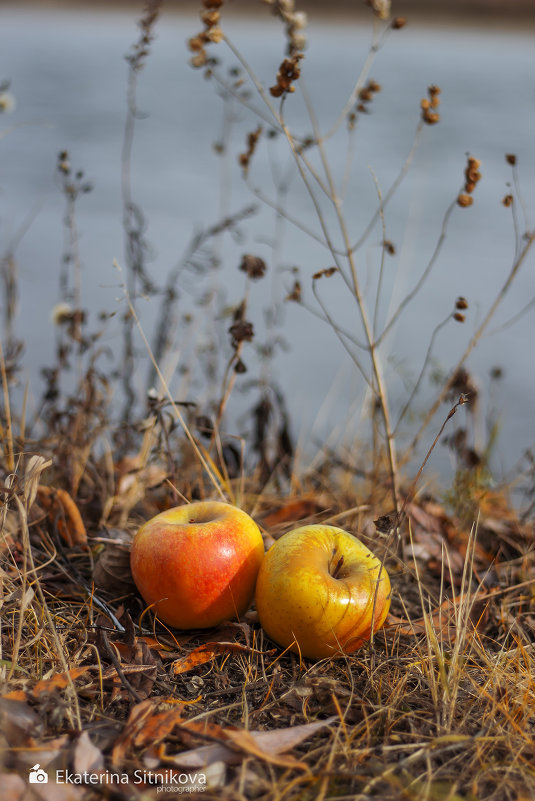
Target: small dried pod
x=210, y=17
x=215, y=34
x=510, y=159
x=241, y=331
x=326, y=273
x=295, y=294
x=508, y=201
x=381, y=8
x=254, y=266
x=464, y=200
x=431, y=117
x=461, y=303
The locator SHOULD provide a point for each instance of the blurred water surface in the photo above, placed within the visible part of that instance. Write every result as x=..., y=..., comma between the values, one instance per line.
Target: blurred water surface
x=68, y=74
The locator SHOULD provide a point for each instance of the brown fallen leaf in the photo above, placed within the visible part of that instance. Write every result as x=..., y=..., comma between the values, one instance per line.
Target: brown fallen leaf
x=17, y=721
x=265, y=745
x=204, y=653
x=112, y=568
x=13, y=787
x=59, y=680
x=16, y=695
x=63, y=513
x=158, y=726
x=299, y=509
x=87, y=757
x=138, y=728
x=43, y=751
x=249, y=744
x=148, y=725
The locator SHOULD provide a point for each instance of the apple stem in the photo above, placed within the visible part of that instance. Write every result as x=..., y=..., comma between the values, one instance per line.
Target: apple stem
x=338, y=567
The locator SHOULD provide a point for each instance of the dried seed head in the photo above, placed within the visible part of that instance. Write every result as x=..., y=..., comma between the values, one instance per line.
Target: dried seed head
x=62, y=313
x=381, y=8
x=459, y=317
x=254, y=266
x=326, y=273
x=64, y=165
x=289, y=71
x=508, y=200
x=398, y=23
x=471, y=174
x=432, y=101
x=465, y=200
x=241, y=331
x=295, y=294
x=295, y=22
x=199, y=59
x=210, y=17
x=461, y=303
x=389, y=247
x=252, y=140
x=239, y=367
x=430, y=117
x=214, y=34
x=510, y=159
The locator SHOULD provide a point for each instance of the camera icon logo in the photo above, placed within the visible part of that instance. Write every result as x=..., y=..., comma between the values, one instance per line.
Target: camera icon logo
x=37, y=775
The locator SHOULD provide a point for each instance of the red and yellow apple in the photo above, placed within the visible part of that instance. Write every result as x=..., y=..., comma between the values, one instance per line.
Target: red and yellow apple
x=320, y=591
x=197, y=563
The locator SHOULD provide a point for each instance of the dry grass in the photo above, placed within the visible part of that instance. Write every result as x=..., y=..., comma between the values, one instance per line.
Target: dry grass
x=440, y=706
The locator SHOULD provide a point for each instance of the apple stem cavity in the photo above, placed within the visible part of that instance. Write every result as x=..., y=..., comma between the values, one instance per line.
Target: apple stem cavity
x=338, y=567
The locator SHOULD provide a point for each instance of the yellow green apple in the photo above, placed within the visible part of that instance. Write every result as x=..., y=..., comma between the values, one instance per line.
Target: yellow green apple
x=197, y=563
x=320, y=591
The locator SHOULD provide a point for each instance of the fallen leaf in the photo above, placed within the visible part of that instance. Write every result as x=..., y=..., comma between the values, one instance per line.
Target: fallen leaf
x=59, y=680
x=128, y=670
x=43, y=752
x=63, y=513
x=17, y=721
x=16, y=695
x=265, y=745
x=13, y=786
x=249, y=744
x=139, y=714
x=87, y=757
x=204, y=653
x=158, y=726
x=112, y=568
x=299, y=509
